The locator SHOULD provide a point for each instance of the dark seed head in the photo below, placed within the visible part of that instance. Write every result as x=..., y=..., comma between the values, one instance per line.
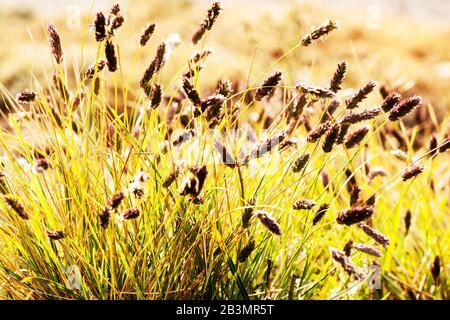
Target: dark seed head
x=17, y=207
x=156, y=98
x=319, y=33
x=355, y=117
x=338, y=77
x=445, y=145
x=374, y=234
x=105, y=216
x=404, y=107
x=320, y=213
x=246, y=251
x=147, y=32
x=130, y=213
x=26, y=96
x=319, y=131
x=55, y=43
x=100, y=27
x=304, y=204
x=193, y=184
x=360, y=95
x=116, y=199
x=367, y=249
x=354, y=215
x=55, y=235
x=433, y=144
x=407, y=221
x=348, y=248
x=268, y=222
x=268, y=85
x=300, y=163
x=346, y=263
x=331, y=137
x=391, y=101
x=355, y=137
x=248, y=213
x=42, y=165
x=412, y=172
x=191, y=93
x=111, y=59
x=436, y=268
x=354, y=195
x=313, y=93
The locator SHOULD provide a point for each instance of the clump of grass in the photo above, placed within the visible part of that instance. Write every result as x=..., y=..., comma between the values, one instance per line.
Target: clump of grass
x=126, y=168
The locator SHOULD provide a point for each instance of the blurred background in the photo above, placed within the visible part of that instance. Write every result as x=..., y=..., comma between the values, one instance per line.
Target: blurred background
x=401, y=44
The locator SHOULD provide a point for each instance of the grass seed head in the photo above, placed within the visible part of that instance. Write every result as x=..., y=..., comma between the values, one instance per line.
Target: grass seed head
x=248, y=213
x=300, y=163
x=90, y=71
x=193, y=183
x=404, y=107
x=313, y=93
x=391, y=101
x=55, y=235
x=111, y=59
x=26, y=96
x=100, y=27
x=354, y=215
x=211, y=106
x=191, y=93
x=331, y=137
x=225, y=88
x=377, y=172
x=156, y=98
x=338, y=77
x=266, y=146
x=354, y=195
x=304, y=204
x=374, y=234
x=360, y=95
x=348, y=248
x=170, y=178
x=354, y=138
x=319, y=131
x=116, y=199
x=319, y=33
x=17, y=207
x=407, y=221
x=433, y=145
x=412, y=172
x=55, y=43
x=147, y=32
x=436, y=269
x=269, y=222
x=42, y=165
x=367, y=249
x=320, y=213
x=331, y=108
x=246, y=251
x=356, y=117
x=346, y=263
x=131, y=213
x=208, y=22
x=268, y=85
x=105, y=216
x=343, y=130
x=445, y=145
